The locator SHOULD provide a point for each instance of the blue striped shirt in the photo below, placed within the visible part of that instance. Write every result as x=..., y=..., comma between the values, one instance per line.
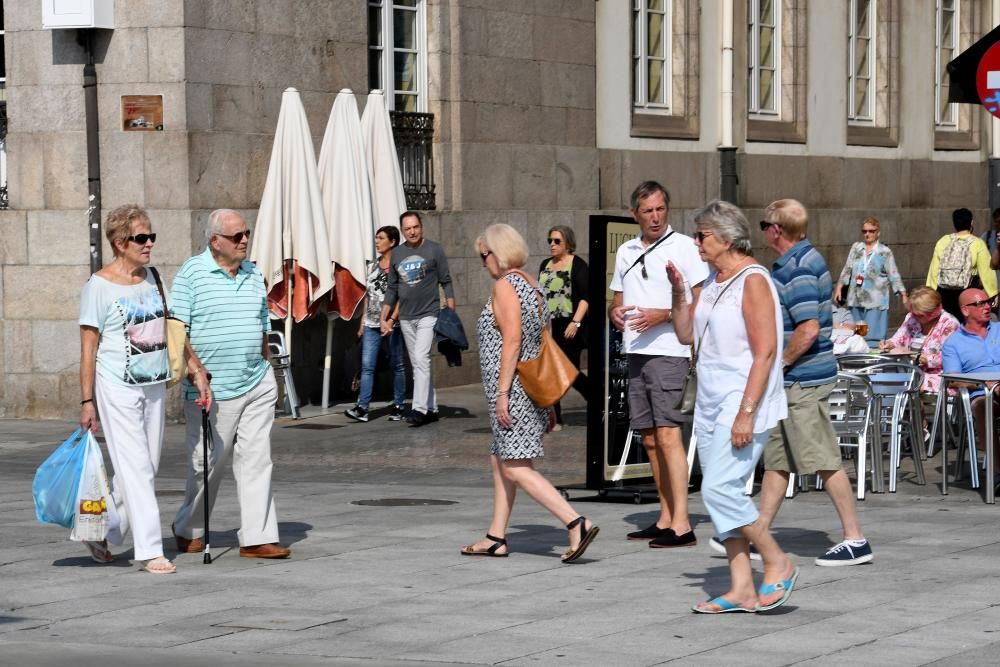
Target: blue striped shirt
x=806, y=290
x=227, y=318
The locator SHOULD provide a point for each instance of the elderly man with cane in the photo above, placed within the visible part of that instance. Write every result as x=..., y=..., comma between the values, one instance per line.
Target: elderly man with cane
x=220, y=296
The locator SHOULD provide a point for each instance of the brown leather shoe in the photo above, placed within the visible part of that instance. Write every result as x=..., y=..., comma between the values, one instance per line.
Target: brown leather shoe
x=186, y=546
x=274, y=550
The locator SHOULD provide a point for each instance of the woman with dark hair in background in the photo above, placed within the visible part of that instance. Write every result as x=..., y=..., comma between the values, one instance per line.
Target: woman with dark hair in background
x=369, y=331
x=564, y=278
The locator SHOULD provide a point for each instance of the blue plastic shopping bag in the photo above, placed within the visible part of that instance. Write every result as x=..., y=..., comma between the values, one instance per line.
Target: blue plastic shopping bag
x=57, y=482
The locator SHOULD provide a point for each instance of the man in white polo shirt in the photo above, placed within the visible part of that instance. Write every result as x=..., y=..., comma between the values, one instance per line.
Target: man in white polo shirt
x=220, y=296
x=658, y=362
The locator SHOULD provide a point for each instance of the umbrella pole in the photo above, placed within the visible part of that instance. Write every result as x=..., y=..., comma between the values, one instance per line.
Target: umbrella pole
x=288, y=314
x=326, y=364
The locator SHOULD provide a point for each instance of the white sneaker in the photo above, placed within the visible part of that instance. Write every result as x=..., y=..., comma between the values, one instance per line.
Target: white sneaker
x=720, y=548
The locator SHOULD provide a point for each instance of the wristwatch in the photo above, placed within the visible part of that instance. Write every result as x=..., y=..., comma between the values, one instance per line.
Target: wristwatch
x=578, y=324
x=748, y=407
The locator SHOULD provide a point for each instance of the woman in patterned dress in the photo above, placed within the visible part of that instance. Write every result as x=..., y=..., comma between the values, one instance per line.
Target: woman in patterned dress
x=868, y=274
x=564, y=278
x=510, y=329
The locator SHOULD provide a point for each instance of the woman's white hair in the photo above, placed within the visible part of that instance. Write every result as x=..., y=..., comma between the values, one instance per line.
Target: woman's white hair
x=728, y=223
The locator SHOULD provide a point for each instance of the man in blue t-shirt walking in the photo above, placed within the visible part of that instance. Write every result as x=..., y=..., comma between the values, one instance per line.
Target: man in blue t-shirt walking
x=804, y=443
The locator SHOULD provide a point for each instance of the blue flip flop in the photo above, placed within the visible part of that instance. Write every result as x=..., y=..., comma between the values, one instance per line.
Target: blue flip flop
x=725, y=606
x=787, y=585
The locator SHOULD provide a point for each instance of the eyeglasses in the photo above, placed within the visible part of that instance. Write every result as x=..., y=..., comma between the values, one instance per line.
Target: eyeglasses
x=555, y=241
x=700, y=236
x=484, y=255
x=764, y=224
x=869, y=231
x=976, y=304
x=237, y=237
x=141, y=239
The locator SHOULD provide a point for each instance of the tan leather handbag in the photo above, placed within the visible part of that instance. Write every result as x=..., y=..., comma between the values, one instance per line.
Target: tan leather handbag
x=547, y=377
x=176, y=334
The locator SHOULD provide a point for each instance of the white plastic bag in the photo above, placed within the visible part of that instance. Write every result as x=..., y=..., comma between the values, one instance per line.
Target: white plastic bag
x=91, y=520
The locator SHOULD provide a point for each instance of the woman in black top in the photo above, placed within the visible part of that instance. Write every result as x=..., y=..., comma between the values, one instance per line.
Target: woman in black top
x=564, y=278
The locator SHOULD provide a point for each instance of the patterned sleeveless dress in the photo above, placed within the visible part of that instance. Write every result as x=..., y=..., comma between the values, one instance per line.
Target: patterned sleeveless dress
x=523, y=440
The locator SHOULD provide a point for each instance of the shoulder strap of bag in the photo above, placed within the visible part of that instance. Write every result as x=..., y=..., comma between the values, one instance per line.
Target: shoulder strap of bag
x=647, y=251
x=701, y=339
x=159, y=287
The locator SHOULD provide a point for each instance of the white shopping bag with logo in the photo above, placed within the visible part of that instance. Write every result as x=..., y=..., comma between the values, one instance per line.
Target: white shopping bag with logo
x=98, y=515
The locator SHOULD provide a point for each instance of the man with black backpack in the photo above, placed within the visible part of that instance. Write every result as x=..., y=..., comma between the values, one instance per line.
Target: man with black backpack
x=960, y=261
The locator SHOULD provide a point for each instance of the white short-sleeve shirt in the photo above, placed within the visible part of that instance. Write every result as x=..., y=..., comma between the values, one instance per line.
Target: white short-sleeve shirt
x=654, y=290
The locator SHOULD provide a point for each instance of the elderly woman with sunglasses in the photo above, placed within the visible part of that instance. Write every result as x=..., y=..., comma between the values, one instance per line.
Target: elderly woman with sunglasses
x=124, y=367
x=869, y=272
x=736, y=325
x=565, y=279
x=510, y=329
x=926, y=327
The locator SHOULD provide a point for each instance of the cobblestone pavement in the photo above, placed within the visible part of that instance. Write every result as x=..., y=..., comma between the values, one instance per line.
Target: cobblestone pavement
x=386, y=585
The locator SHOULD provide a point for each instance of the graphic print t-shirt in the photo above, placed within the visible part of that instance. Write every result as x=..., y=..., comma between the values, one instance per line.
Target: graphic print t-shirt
x=378, y=282
x=130, y=318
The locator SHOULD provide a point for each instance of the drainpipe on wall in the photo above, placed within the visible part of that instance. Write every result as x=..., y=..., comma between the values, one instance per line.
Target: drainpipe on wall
x=994, y=170
x=93, y=152
x=727, y=151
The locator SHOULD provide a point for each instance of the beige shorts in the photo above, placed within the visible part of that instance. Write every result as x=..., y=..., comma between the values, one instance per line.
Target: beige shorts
x=804, y=442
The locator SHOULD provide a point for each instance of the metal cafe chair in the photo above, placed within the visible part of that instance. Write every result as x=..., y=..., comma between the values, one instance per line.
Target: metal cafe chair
x=281, y=361
x=897, y=413
x=851, y=408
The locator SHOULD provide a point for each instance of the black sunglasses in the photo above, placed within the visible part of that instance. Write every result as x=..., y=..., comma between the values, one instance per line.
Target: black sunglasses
x=555, y=241
x=142, y=238
x=237, y=237
x=642, y=261
x=700, y=236
x=484, y=255
x=977, y=304
x=764, y=224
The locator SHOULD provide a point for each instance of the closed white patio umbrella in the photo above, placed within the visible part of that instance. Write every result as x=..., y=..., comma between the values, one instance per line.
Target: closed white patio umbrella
x=346, y=195
x=388, y=197
x=290, y=236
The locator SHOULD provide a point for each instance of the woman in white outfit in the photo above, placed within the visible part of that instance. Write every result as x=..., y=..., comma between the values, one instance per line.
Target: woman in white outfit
x=736, y=324
x=124, y=367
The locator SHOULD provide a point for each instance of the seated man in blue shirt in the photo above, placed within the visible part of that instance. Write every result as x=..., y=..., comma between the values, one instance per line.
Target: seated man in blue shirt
x=975, y=348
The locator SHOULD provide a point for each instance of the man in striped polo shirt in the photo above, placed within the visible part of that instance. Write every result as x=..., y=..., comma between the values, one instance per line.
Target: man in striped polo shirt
x=804, y=443
x=220, y=296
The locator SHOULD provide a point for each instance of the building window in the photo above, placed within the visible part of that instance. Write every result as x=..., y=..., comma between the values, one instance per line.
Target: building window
x=397, y=48
x=664, y=74
x=764, y=57
x=945, y=50
x=651, y=71
x=861, y=60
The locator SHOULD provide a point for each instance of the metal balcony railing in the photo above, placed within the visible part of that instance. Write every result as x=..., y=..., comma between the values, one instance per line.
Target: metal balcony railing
x=414, y=136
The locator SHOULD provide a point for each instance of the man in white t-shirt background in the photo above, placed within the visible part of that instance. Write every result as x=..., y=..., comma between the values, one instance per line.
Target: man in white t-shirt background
x=658, y=362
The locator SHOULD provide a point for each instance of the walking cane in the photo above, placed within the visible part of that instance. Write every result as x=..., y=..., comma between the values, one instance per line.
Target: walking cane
x=207, y=443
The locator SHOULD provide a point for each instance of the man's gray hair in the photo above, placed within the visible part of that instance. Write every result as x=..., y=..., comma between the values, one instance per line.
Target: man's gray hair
x=728, y=223
x=645, y=189
x=216, y=220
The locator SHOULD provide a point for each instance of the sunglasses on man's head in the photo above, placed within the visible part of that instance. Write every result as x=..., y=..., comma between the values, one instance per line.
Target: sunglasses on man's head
x=237, y=237
x=555, y=241
x=142, y=238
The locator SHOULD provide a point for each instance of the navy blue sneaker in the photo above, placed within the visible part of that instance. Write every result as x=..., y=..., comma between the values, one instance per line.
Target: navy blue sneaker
x=357, y=413
x=848, y=552
x=397, y=414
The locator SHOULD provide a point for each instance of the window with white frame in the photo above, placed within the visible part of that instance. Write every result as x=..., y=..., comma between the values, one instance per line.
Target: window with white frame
x=764, y=58
x=651, y=56
x=861, y=61
x=397, y=51
x=945, y=49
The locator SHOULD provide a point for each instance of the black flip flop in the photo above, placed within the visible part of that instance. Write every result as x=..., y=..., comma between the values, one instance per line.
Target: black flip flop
x=586, y=537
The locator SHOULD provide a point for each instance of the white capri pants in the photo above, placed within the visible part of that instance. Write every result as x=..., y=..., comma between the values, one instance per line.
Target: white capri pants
x=132, y=418
x=241, y=428
x=725, y=471
x=419, y=337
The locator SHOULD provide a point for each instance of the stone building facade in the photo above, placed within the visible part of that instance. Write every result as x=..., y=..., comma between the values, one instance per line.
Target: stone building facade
x=545, y=111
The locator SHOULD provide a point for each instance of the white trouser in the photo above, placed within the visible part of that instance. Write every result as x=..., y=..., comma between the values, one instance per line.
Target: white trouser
x=132, y=418
x=242, y=427
x=419, y=336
